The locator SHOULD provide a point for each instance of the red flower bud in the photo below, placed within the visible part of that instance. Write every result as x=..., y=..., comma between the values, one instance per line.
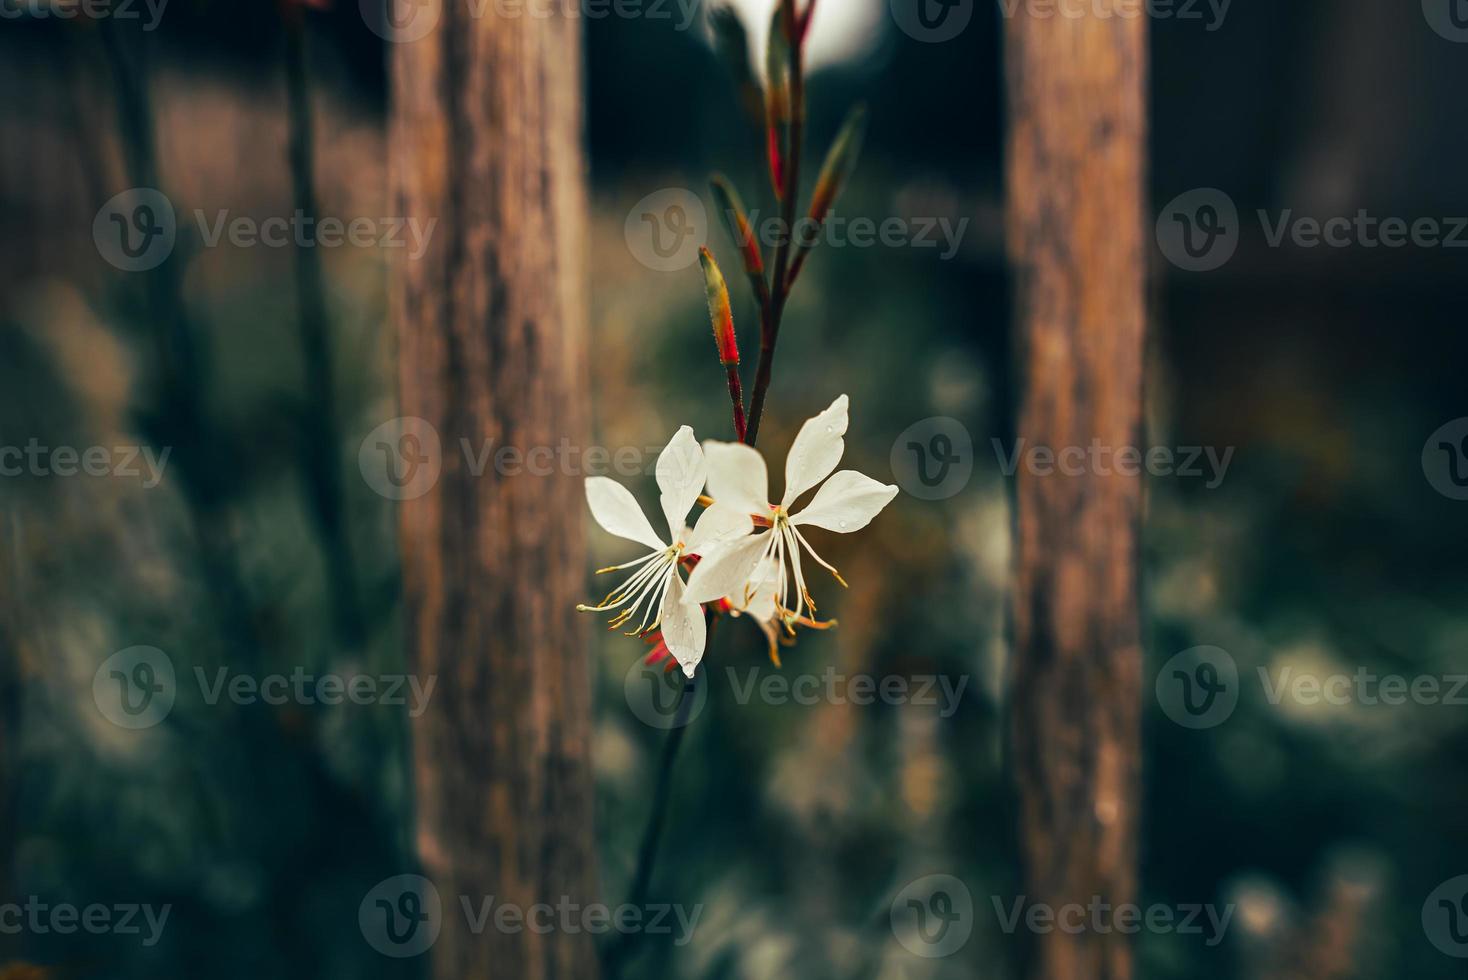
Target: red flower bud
x=720, y=314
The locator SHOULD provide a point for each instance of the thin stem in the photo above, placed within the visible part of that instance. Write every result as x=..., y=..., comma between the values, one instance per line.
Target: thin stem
x=780, y=280
x=615, y=954
x=761, y=386
x=736, y=395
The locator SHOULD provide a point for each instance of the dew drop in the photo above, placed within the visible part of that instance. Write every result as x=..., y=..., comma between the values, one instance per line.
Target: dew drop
x=843, y=523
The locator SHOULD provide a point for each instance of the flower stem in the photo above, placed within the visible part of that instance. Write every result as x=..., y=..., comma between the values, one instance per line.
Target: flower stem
x=647, y=853
x=736, y=395
x=773, y=311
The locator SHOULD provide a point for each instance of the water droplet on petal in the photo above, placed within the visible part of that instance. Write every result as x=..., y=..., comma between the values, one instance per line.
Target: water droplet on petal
x=843, y=523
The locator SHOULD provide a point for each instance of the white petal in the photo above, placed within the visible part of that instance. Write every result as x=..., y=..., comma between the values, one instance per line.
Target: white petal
x=616, y=510
x=846, y=502
x=718, y=524
x=816, y=451
x=684, y=630
x=681, y=472
x=762, y=585
x=737, y=476
x=726, y=569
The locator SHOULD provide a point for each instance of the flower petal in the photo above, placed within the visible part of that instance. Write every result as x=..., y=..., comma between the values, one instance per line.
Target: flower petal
x=681, y=471
x=725, y=570
x=717, y=525
x=616, y=510
x=684, y=630
x=846, y=502
x=737, y=476
x=816, y=450
x=763, y=583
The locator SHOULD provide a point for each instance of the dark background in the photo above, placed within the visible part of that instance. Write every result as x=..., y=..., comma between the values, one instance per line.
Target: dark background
x=1325, y=548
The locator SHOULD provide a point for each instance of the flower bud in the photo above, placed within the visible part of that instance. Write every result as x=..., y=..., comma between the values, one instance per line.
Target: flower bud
x=720, y=314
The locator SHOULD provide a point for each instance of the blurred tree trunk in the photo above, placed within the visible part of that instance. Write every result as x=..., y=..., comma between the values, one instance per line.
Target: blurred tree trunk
x=486, y=138
x=1076, y=170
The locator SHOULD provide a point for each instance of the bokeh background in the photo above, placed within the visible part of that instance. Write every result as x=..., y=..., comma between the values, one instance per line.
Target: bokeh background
x=1324, y=549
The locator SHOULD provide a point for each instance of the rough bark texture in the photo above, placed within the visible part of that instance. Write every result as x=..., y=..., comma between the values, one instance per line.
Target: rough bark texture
x=1076, y=174
x=486, y=137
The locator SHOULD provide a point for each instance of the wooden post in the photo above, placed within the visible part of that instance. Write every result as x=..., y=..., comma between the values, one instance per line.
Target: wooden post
x=1076, y=171
x=485, y=137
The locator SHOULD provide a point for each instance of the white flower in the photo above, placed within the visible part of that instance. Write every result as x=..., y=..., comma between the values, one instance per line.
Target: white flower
x=737, y=479
x=656, y=585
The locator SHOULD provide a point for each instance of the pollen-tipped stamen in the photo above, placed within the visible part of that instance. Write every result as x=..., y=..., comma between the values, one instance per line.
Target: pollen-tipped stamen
x=630, y=564
x=819, y=560
x=618, y=595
